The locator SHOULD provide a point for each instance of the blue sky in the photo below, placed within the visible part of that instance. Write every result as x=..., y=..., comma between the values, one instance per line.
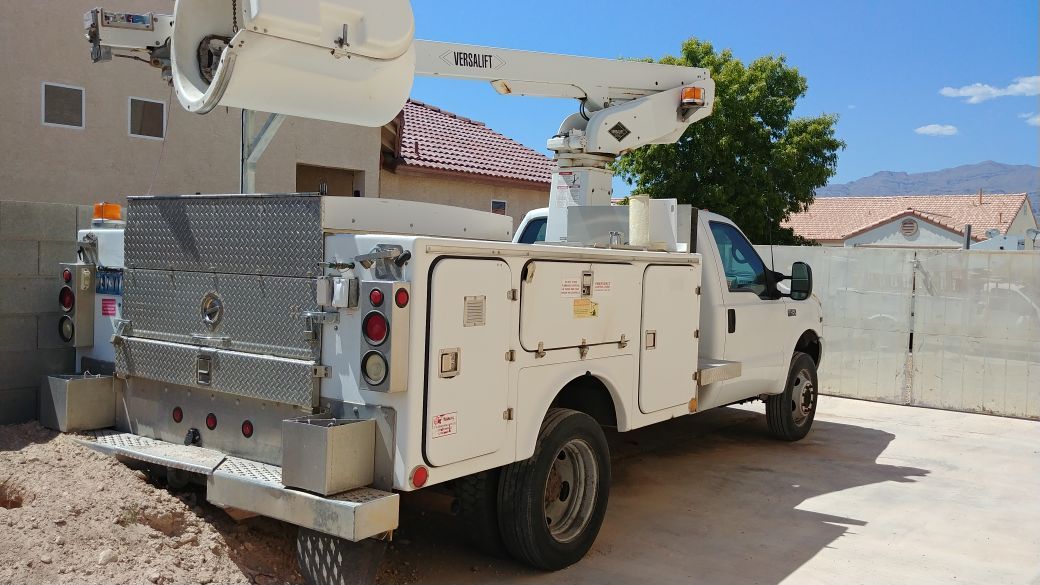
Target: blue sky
x=879, y=65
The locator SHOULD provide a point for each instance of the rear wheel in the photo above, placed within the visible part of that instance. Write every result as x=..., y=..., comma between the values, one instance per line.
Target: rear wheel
x=551, y=506
x=791, y=413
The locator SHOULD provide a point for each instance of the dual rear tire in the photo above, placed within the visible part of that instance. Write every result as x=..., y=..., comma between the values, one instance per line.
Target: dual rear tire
x=546, y=510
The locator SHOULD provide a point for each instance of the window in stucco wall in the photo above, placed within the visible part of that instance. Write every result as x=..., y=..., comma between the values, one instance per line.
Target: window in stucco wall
x=498, y=207
x=62, y=105
x=147, y=118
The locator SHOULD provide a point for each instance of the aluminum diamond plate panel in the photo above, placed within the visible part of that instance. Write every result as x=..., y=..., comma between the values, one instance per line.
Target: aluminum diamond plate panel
x=224, y=233
x=260, y=314
x=263, y=377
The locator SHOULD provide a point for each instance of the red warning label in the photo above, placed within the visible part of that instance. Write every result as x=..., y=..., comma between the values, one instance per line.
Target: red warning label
x=445, y=424
x=108, y=307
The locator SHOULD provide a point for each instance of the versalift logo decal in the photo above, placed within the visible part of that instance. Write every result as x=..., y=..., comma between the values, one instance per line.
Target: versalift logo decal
x=473, y=60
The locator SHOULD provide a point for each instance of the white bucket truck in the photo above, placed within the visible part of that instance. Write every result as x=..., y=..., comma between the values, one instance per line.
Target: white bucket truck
x=308, y=357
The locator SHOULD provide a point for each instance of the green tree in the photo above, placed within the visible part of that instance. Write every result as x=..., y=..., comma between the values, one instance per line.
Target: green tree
x=750, y=160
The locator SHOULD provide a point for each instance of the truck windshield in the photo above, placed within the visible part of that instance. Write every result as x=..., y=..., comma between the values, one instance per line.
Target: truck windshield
x=745, y=271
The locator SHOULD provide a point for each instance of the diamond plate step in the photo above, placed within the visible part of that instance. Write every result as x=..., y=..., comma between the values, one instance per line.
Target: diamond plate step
x=188, y=458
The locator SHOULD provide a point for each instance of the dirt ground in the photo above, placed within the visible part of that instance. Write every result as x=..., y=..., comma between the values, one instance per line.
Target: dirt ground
x=876, y=494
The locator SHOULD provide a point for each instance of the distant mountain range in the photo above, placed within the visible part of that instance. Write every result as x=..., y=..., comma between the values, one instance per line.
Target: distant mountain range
x=991, y=177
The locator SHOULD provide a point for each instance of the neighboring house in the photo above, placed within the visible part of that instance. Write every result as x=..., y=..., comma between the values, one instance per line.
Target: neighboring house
x=924, y=221
x=430, y=154
x=77, y=132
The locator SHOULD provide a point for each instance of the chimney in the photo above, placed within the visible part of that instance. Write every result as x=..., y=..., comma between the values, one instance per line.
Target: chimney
x=980, y=196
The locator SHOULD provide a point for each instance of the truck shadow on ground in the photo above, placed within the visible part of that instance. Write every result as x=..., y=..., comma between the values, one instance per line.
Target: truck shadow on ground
x=704, y=499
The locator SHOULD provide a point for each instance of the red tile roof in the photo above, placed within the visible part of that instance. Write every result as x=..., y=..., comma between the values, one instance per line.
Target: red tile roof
x=838, y=218
x=432, y=138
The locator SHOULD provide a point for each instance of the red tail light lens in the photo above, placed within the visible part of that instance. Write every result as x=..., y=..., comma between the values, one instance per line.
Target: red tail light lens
x=211, y=421
x=420, y=475
x=376, y=297
x=247, y=429
x=375, y=327
x=401, y=298
x=66, y=275
x=66, y=298
x=178, y=414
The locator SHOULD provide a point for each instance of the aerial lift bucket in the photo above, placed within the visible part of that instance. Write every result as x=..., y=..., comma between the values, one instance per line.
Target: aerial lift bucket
x=350, y=61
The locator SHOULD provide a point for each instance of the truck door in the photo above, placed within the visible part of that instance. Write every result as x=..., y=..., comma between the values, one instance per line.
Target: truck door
x=752, y=322
x=470, y=319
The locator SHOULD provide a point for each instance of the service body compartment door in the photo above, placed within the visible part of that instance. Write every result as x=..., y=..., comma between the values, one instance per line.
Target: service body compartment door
x=467, y=381
x=569, y=304
x=668, y=348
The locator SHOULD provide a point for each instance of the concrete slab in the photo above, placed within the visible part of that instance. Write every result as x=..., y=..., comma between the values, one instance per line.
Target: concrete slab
x=877, y=493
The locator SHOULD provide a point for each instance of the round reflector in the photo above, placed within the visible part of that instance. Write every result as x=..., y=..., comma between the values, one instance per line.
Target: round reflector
x=211, y=421
x=178, y=414
x=401, y=298
x=419, y=476
x=66, y=328
x=376, y=297
x=247, y=429
x=373, y=367
x=66, y=275
x=375, y=327
x=66, y=298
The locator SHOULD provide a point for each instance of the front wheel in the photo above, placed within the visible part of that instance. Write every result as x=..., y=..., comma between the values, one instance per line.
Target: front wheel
x=791, y=413
x=551, y=506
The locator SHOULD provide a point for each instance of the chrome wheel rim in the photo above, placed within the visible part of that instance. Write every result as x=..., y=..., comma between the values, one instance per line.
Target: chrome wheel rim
x=803, y=397
x=570, y=490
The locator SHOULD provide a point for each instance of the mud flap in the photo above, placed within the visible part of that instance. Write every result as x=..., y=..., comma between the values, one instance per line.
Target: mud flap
x=330, y=560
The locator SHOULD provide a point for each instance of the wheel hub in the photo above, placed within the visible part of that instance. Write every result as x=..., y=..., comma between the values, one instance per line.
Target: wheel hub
x=570, y=490
x=803, y=397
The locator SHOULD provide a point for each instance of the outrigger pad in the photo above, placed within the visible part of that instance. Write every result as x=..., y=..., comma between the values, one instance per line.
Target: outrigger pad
x=330, y=560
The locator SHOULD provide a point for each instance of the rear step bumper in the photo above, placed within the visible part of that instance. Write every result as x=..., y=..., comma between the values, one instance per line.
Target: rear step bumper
x=232, y=482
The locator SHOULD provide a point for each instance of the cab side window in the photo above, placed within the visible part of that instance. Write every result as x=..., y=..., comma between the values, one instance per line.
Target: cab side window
x=745, y=271
x=534, y=231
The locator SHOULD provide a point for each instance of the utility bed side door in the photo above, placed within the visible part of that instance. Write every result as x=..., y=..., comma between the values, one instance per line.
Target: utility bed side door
x=753, y=325
x=470, y=322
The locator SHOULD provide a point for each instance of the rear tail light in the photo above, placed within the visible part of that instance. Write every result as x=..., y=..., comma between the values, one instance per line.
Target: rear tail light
x=178, y=414
x=374, y=367
x=376, y=297
x=66, y=298
x=401, y=298
x=247, y=429
x=376, y=328
x=66, y=275
x=211, y=421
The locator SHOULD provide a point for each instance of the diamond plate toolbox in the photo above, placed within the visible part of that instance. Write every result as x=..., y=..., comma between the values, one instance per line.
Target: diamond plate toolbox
x=275, y=235
x=258, y=314
x=270, y=378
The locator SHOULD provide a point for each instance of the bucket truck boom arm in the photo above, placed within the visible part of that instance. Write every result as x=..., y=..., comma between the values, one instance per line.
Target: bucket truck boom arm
x=353, y=61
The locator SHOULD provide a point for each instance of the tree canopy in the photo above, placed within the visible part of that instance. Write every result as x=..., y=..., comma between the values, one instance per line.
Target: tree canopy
x=750, y=160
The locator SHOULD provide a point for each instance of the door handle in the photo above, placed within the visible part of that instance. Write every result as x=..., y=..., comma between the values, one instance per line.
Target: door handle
x=732, y=314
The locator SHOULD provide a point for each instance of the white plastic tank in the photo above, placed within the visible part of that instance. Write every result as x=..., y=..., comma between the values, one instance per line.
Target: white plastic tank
x=350, y=61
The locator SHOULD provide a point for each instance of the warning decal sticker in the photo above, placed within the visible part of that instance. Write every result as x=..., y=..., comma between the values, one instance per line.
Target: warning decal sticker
x=445, y=424
x=108, y=307
x=585, y=308
x=570, y=288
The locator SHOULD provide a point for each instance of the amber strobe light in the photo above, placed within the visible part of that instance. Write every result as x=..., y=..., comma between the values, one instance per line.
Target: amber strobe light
x=108, y=211
x=692, y=97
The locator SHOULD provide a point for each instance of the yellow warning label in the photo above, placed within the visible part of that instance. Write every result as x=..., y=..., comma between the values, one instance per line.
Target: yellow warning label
x=585, y=308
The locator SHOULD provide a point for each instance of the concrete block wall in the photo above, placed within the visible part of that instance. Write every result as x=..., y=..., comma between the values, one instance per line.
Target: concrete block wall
x=34, y=239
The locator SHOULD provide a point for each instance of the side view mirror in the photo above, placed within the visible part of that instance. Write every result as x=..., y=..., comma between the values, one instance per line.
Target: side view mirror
x=801, y=281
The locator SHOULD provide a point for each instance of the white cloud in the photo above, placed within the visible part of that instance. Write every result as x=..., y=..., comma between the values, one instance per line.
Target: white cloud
x=980, y=92
x=1031, y=118
x=937, y=130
